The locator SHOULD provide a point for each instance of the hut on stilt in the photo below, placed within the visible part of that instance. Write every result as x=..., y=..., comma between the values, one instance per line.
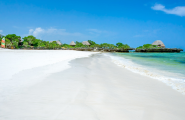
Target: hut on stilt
x=57, y=41
x=86, y=43
x=72, y=43
x=159, y=43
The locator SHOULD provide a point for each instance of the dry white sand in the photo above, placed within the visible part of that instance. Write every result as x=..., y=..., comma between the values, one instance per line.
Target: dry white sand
x=93, y=88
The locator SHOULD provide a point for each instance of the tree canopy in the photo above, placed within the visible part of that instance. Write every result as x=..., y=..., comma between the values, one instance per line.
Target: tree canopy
x=122, y=46
x=91, y=42
x=30, y=41
x=12, y=40
x=147, y=46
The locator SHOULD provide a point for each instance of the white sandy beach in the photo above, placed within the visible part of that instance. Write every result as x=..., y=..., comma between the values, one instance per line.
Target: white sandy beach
x=72, y=85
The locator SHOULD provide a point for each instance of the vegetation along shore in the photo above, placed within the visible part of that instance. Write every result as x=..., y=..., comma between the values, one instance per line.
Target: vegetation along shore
x=12, y=41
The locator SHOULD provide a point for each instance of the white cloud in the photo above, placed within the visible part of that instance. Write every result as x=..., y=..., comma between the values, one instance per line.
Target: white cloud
x=38, y=32
x=179, y=10
x=31, y=31
x=1, y=31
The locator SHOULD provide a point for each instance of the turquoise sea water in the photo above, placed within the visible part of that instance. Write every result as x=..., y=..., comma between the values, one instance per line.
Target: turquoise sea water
x=169, y=66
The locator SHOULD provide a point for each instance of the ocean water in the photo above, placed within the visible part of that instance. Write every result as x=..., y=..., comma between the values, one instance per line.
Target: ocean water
x=166, y=67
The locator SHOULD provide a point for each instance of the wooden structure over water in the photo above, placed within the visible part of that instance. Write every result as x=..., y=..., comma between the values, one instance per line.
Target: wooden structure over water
x=101, y=49
x=169, y=50
x=159, y=50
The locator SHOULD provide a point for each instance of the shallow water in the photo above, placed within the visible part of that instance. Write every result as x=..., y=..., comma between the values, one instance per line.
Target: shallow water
x=167, y=67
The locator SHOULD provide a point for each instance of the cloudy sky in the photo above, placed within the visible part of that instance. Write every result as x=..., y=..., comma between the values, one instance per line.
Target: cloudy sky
x=135, y=22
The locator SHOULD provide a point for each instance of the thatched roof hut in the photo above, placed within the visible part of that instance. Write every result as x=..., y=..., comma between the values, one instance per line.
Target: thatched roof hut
x=159, y=43
x=72, y=43
x=58, y=42
x=86, y=43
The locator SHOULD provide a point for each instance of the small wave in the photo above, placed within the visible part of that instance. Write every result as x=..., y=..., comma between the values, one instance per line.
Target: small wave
x=175, y=83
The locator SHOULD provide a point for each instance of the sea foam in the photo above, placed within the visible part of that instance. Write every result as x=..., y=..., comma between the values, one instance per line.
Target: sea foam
x=176, y=83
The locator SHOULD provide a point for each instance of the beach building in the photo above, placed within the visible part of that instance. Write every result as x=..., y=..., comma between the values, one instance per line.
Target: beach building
x=159, y=43
x=86, y=43
x=72, y=43
x=58, y=42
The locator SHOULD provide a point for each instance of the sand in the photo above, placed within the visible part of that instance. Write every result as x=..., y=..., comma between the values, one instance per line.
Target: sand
x=92, y=88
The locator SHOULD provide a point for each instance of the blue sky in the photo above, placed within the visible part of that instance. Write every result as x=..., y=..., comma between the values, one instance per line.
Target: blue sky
x=130, y=22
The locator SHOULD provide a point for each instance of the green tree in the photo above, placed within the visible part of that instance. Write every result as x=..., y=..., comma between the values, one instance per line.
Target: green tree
x=78, y=44
x=122, y=46
x=46, y=44
x=41, y=44
x=119, y=45
x=8, y=43
x=15, y=44
x=25, y=44
x=140, y=47
x=96, y=45
x=14, y=39
x=104, y=45
x=66, y=46
x=58, y=46
x=31, y=40
x=91, y=42
x=147, y=46
x=108, y=46
x=111, y=46
x=53, y=45
x=125, y=46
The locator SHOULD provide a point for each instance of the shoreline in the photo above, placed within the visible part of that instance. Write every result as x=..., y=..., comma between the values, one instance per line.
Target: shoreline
x=175, y=82
x=92, y=88
x=161, y=50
